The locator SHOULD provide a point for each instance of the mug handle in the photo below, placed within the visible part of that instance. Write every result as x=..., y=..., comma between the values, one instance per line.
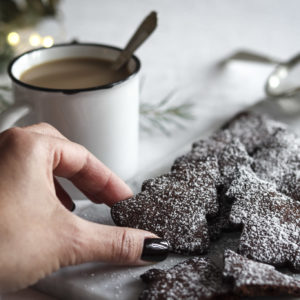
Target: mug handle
x=14, y=113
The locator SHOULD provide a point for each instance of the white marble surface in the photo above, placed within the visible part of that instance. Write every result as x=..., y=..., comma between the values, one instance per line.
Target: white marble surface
x=182, y=55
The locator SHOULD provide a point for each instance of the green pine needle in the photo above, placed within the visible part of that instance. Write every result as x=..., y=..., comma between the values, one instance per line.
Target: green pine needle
x=163, y=115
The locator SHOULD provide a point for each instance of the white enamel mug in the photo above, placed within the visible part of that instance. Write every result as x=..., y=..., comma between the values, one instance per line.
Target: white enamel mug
x=104, y=118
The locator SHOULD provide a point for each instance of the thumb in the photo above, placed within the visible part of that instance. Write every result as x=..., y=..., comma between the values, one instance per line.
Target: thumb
x=97, y=242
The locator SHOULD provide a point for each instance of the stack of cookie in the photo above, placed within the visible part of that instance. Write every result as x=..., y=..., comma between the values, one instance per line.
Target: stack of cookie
x=243, y=178
x=200, y=278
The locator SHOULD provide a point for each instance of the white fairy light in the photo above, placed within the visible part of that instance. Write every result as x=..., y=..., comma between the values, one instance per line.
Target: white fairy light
x=48, y=41
x=34, y=40
x=13, y=38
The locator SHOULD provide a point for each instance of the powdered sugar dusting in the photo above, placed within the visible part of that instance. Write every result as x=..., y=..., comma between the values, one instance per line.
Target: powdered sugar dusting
x=252, y=129
x=174, y=206
x=189, y=205
x=278, y=161
x=195, y=278
x=251, y=278
x=231, y=155
x=271, y=221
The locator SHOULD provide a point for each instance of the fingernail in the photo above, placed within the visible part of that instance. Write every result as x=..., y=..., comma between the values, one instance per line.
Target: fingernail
x=155, y=249
x=73, y=207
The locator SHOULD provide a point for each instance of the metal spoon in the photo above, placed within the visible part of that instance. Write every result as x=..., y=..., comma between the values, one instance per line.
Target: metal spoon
x=280, y=82
x=141, y=34
x=277, y=83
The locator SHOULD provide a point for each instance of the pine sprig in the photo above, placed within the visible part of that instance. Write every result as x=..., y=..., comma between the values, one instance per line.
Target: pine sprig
x=164, y=116
x=5, y=88
x=4, y=103
x=5, y=94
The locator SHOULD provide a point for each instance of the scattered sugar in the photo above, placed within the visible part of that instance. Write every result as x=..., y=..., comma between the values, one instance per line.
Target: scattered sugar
x=271, y=221
x=192, y=204
x=195, y=278
x=256, y=279
x=178, y=202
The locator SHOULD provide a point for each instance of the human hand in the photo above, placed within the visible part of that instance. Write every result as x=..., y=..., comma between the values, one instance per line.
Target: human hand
x=38, y=233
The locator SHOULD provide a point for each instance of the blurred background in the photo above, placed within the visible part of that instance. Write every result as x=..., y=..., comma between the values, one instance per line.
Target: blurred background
x=185, y=92
x=183, y=87
x=181, y=57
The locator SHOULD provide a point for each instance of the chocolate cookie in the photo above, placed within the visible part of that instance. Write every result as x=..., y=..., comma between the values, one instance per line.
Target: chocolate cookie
x=174, y=206
x=199, y=175
x=220, y=223
x=278, y=161
x=271, y=240
x=252, y=129
x=192, y=182
x=212, y=145
x=228, y=150
x=290, y=185
x=231, y=156
x=195, y=278
x=270, y=219
x=251, y=278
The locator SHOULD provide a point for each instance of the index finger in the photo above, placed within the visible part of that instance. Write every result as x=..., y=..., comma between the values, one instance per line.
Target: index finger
x=86, y=172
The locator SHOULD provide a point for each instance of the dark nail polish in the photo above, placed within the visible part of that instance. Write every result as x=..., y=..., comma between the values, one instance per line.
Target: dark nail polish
x=155, y=250
x=73, y=207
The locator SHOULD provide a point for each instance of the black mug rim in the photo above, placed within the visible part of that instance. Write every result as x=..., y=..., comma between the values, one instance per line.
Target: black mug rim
x=72, y=91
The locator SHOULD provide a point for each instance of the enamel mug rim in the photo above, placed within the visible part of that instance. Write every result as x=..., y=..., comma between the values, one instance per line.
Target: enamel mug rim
x=71, y=91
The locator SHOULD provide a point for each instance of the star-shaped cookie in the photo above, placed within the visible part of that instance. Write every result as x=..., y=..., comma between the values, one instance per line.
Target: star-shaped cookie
x=174, y=206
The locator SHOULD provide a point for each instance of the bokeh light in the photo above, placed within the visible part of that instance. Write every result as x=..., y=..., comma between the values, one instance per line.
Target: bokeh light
x=13, y=38
x=34, y=40
x=48, y=41
x=274, y=82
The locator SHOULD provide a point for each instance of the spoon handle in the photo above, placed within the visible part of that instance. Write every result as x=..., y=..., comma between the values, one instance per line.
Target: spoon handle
x=141, y=34
x=246, y=55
